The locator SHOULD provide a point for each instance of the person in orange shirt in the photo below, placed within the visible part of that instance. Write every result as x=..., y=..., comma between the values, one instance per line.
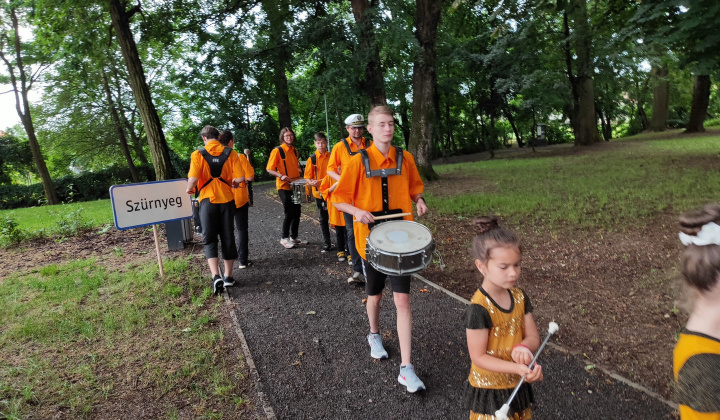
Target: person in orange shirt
x=361, y=194
x=242, y=201
x=315, y=171
x=335, y=216
x=285, y=166
x=340, y=155
x=217, y=202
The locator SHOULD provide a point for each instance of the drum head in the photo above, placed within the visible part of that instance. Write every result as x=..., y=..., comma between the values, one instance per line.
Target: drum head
x=299, y=182
x=400, y=237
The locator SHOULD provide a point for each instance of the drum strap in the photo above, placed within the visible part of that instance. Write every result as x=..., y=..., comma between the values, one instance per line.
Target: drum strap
x=282, y=156
x=216, y=164
x=383, y=174
x=350, y=152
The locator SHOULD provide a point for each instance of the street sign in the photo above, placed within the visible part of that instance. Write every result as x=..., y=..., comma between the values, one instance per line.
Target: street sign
x=149, y=203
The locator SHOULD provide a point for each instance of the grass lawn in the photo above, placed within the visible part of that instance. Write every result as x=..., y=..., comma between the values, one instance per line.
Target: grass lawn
x=634, y=179
x=76, y=336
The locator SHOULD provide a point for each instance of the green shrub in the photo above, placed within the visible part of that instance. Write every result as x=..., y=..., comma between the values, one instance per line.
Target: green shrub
x=71, y=223
x=713, y=122
x=10, y=233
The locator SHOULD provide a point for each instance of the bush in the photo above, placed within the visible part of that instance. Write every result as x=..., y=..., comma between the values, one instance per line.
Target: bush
x=10, y=234
x=713, y=122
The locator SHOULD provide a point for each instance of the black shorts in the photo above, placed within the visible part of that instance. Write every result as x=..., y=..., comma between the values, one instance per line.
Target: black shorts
x=375, y=281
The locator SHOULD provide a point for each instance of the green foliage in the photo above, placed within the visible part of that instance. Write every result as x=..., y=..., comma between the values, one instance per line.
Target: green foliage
x=15, y=157
x=10, y=233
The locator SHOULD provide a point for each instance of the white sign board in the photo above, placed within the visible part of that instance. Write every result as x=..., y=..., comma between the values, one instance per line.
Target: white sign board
x=136, y=205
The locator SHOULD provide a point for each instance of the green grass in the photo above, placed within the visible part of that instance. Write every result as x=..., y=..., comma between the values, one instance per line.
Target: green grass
x=611, y=189
x=32, y=219
x=73, y=334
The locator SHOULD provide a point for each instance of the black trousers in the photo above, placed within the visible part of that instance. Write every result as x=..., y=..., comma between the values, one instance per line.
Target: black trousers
x=340, y=235
x=323, y=217
x=357, y=265
x=241, y=232
x=292, y=215
x=217, y=220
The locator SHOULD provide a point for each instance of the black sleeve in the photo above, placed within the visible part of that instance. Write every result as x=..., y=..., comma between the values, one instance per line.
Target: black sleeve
x=477, y=317
x=528, y=305
x=698, y=384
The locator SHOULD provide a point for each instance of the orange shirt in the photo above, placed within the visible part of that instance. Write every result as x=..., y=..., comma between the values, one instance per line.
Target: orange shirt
x=335, y=216
x=275, y=163
x=366, y=193
x=241, y=193
x=312, y=173
x=340, y=156
x=217, y=191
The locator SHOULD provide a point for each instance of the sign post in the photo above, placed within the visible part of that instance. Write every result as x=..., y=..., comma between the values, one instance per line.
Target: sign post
x=150, y=203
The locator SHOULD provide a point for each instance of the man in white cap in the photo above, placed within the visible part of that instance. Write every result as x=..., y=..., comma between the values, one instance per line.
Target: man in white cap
x=340, y=155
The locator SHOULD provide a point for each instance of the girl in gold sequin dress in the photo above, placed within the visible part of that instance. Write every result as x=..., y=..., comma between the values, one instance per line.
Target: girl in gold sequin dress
x=696, y=361
x=501, y=332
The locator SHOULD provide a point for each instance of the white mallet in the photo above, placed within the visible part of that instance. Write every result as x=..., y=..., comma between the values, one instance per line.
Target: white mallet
x=501, y=414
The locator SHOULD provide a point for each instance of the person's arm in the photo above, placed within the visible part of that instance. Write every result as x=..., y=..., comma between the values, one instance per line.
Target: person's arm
x=192, y=183
x=334, y=175
x=523, y=352
x=477, y=349
x=361, y=215
x=277, y=174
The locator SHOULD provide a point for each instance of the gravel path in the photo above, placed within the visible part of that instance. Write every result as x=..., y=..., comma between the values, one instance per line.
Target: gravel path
x=305, y=328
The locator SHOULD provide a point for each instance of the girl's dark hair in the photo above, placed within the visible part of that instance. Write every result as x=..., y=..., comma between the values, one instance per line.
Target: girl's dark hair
x=285, y=130
x=700, y=265
x=490, y=236
x=225, y=137
x=209, y=132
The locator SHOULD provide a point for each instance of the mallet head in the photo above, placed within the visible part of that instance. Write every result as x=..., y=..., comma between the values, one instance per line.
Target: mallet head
x=501, y=414
x=553, y=328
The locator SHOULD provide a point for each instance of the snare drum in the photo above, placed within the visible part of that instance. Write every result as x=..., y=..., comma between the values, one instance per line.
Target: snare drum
x=399, y=247
x=298, y=190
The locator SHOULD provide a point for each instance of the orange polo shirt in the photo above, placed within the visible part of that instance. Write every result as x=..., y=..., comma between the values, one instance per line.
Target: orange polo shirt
x=335, y=216
x=312, y=173
x=241, y=193
x=366, y=193
x=275, y=163
x=340, y=156
x=217, y=191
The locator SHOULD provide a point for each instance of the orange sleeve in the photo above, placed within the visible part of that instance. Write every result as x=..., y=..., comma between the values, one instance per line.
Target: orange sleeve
x=274, y=161
x=309, y=170
x=348, y=183
x=334, y=160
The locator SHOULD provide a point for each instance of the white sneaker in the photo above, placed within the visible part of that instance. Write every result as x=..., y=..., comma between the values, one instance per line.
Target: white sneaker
x=409, y=378
x=357, y=277
x=377, y=351
x=287, y=243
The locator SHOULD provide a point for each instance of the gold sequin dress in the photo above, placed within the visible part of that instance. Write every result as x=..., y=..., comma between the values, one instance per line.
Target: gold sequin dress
x=485, y=391
x=696, y=365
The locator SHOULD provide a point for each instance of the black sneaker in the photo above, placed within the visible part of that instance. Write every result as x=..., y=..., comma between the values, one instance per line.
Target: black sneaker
x=229, y=282
x=326, y=248
x=218, y=285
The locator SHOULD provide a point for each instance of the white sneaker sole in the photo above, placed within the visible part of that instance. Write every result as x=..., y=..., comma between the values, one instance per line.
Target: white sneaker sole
x=404, y=383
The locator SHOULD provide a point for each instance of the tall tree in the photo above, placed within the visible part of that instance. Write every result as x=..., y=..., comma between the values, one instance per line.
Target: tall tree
x=277, y=12
x=22, y=83
x=424, y=85
x=661, y=96
x=586, y=130
x=136, y=77
x=374, y=82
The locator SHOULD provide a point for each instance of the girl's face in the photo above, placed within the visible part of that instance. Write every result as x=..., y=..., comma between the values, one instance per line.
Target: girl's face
x=502, y=268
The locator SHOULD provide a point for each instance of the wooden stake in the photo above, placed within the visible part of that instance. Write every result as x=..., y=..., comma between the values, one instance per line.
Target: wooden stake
x=157, y=251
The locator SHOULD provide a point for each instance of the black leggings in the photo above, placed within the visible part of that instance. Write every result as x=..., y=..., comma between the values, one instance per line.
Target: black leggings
x=217, y=220
x=292, y=215
x=323, y=216
x=241, y=232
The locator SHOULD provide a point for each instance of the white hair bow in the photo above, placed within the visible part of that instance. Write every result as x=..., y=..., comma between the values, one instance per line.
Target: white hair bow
x=708, y=235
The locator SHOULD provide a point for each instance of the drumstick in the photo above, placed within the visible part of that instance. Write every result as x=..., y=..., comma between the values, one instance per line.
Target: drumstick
x=501, y=414
x=389, y=216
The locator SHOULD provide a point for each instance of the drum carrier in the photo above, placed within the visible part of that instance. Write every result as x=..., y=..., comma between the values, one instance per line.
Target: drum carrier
x=393, y=261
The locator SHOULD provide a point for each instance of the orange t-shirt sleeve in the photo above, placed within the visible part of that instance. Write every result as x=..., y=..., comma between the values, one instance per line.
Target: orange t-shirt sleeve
x=347, y=185
x=334, y=160
x=309, y=170
x=274, y=162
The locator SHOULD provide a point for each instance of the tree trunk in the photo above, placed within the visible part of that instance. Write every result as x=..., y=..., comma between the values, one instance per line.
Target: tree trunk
x=511, y=120
x=586, y=132
x=153, y=128
x=276, y=11
x=120, y=131
x=424, y=81
x=572, y=109
x=374, y=83
x=700, y=103
x=661, y=92
x=23, y=109
x=405, y=121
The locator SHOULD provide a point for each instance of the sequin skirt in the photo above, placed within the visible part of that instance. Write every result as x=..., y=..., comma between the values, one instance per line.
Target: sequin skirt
x=488, y=401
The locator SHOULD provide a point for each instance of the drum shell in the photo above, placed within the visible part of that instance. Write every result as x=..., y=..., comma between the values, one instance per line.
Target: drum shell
x=399, y=263
x=298, y=192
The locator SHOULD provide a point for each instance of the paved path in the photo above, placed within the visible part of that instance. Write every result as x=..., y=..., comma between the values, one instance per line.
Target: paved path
x=305, y=328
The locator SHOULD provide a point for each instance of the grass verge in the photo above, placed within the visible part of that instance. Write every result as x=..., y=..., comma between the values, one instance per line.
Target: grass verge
x=77, y=336
x=612, y=188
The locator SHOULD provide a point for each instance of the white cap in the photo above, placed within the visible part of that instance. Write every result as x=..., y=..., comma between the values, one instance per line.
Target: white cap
x=355, y=120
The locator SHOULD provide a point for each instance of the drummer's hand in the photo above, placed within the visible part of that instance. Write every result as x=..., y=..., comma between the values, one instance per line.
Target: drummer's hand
x=365, y=217
x=190, y=190
x=421, y=207
x=237, y=181
x=283, y=177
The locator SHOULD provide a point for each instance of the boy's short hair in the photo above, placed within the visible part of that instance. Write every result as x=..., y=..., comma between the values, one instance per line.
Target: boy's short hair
x=320, y=136
x=379, y=110
x=225, y=137
x=209, y=132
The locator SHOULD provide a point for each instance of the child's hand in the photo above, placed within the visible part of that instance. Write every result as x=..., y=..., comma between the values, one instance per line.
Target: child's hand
x=521, y=354
x=535, y=374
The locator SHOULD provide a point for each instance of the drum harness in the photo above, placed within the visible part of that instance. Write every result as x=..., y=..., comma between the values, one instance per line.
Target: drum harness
x=216, y=164
x=383, y=174
x=313, y=160
x=282, y=156
x=350, y=152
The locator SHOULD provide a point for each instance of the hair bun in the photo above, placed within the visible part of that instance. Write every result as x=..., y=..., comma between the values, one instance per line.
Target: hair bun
x=692, y=222
x=485, y=223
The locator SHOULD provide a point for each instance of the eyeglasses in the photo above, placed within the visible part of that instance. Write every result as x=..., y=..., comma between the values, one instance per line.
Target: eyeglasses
x=357, y=128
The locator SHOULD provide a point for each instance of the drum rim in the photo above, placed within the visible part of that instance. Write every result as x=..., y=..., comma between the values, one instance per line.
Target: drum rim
x=369, y=240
